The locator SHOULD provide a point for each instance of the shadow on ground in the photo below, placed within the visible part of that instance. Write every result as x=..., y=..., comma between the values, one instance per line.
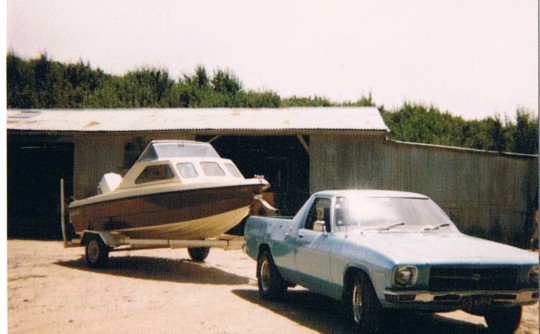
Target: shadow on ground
x=160, y=269
x=325, y=315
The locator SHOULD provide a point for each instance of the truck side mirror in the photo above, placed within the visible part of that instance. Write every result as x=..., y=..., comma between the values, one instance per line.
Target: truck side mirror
x=319, y=226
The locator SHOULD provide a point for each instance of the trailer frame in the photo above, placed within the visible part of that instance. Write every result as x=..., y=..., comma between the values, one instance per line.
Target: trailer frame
x=98, y=245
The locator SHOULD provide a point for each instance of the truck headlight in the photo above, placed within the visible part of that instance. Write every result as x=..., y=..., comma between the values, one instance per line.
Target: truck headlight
x=405, y=275
x=534, y=272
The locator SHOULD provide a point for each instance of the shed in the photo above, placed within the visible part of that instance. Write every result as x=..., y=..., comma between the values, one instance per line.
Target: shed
x=299, y=150
x=80, y=146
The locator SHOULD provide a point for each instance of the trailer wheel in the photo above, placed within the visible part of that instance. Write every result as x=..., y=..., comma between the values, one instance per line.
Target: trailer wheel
x=271, y=284
x=96, y=252
x=198, y=254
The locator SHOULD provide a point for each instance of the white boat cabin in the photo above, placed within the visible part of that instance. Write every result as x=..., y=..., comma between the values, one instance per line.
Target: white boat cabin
x=165, y=161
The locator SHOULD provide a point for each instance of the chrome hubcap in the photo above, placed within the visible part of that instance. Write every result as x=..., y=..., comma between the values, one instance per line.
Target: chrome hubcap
x=357, y=303
x=265, y=275
x=93, y=250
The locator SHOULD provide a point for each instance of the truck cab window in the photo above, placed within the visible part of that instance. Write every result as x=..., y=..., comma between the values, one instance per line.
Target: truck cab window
x=319, y=211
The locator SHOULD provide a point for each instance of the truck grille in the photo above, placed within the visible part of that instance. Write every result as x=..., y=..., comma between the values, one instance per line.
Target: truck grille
x=472, y=278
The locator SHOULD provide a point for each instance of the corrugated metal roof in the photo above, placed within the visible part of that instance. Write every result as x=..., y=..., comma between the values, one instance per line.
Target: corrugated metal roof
x=117, y=120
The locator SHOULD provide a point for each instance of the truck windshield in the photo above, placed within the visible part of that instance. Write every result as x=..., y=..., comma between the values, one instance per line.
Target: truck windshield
x=385, y=213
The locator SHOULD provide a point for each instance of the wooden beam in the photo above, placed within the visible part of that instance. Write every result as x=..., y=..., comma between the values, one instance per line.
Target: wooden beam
x=303, y=142
x=214, y=138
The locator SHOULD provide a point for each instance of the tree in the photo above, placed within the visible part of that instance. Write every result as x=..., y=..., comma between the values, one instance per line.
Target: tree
x=525, y=136
x=20, y=79
x=296, y=101
x=364, y=101
x=226, y=83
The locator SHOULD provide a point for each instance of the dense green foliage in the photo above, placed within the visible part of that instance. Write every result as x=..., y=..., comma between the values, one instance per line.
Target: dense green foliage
x=421, y=124
x=43, y=83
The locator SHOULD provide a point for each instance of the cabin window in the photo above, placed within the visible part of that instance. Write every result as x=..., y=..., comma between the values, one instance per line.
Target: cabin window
x=187, y=170
x=155, y=173
x=233, y=170
x=212, y=169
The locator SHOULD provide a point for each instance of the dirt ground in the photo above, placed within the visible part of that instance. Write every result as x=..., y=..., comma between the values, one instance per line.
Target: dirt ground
x=50, y=290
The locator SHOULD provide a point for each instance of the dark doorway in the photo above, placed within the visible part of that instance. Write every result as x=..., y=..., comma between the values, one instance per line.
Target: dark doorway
x=33, y=188
x=282, y=160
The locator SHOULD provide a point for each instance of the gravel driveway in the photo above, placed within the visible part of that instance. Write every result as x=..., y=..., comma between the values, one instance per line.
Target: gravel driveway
x=50, y=290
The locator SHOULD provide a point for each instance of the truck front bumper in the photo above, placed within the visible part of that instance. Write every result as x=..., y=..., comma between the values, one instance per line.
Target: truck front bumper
x=521, y=297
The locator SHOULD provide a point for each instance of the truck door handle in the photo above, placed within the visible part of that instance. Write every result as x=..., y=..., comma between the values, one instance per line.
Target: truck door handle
x=300, y=235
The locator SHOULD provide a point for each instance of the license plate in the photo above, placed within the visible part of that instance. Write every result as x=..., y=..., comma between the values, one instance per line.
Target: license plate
x=477, y=303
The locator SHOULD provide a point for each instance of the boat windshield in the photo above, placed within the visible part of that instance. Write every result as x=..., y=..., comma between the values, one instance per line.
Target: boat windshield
x=171, y=150
x=386, y=213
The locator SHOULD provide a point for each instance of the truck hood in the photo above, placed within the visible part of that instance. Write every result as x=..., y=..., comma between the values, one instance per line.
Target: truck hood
x=441, y=248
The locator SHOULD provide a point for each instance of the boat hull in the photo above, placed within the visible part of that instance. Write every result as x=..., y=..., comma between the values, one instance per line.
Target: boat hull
x=181, y=214
x=194, y=229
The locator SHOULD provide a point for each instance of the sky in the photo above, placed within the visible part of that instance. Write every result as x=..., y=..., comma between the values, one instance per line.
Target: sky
x=472, y=58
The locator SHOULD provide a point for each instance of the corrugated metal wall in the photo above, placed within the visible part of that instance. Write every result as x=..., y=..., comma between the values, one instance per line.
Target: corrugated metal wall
x=343, y=162
x=95, y=156
x=486, y=194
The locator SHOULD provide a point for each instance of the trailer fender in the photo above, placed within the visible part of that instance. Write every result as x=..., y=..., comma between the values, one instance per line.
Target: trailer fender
x=106, y=237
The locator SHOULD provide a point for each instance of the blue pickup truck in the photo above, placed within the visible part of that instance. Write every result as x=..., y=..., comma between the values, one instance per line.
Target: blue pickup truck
x=377, y=250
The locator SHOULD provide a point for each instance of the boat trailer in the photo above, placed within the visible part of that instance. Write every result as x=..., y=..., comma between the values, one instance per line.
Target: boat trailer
x=98, y=245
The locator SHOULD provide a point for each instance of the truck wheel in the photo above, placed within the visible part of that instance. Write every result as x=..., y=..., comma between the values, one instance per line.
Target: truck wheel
x=96, y=252
x=198, y=254
x=271, y=284
x=363, y=304
x=504, y=320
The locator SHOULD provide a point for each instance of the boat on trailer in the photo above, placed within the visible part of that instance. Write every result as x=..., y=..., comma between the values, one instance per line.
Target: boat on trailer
x=179, y=194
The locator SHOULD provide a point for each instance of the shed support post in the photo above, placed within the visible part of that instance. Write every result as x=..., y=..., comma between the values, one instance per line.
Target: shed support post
x=62, y=213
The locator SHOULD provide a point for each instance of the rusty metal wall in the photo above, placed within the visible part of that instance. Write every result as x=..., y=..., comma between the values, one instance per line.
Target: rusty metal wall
x=487, y=194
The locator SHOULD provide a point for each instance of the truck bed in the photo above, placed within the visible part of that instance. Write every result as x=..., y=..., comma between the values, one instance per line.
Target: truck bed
x=264, y=230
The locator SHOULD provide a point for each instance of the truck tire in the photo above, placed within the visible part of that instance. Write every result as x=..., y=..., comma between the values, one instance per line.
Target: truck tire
x=364, y=307
x=198, y=254
x=504, y=320
x=271, y=284
x=96, y=252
